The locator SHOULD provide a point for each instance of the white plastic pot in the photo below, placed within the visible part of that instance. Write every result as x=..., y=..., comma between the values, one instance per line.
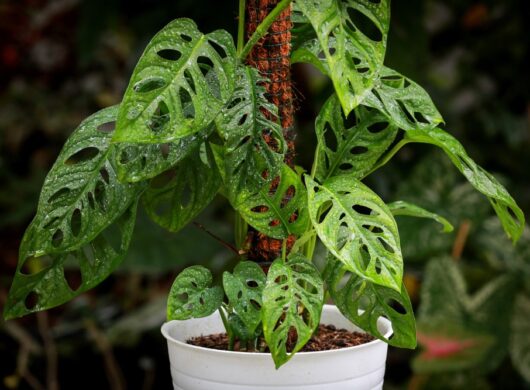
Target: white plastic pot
x=198, y=368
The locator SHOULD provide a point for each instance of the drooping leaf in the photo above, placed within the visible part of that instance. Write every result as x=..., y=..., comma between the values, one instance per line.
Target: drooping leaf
x=350, y=44
x=244, y=288
x=292, y=304
x=277, y=210
x=404, y=102
x=520, y=342
x=352, y=293
x=511, y=216
x=354, y=148
x=254, y=139
x=179, y=85
x=357, y=228
x=177, y=196
x=40, y=282
x=411, y=210
x=81, y=195
x=192, y=295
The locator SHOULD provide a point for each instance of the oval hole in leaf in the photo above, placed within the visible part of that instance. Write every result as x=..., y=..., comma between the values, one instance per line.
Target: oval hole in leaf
x=330, y=138
x=187, y=103
x=420, y=118
x=33, y=265
x=108, y=127
x=160, y=117
x=365, y=25
x=205, y=65
x=218, y=48
x=99, y=194
x=105, y=175
x=149, y=84
x=358, y=150
x=377, y=127
x=83, y=155
x=59, y=195
x=169, y=54
x=57, y=238
x=189, y=79
x=31, y=300
x=75, y=222
x=397, y=306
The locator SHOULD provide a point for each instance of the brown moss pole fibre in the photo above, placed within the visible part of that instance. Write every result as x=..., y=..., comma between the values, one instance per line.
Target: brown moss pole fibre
x=272, y=57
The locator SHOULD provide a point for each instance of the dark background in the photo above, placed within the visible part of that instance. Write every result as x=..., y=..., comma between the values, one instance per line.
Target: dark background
x=62, y=60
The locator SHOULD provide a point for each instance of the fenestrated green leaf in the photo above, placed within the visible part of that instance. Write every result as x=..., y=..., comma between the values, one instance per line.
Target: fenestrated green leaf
x=181, y=67
x=411, y=210
x=191, y=295
x=81, y=195
x=350, y=44
x=520, y=342
x=277, y=210
x=350, y=149
x=244, y=290
x=177, y=196
x=292, y=304
x=352, y=293
x=357, y=228
x=40, y=282
x=405, y=103
x=511, y=216
x=254, y=139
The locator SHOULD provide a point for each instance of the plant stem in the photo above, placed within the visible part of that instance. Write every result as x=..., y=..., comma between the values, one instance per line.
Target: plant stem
x=241, y=28
x=262, y=29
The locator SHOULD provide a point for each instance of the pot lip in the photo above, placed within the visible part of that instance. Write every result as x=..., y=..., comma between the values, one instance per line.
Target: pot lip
x=167, y=325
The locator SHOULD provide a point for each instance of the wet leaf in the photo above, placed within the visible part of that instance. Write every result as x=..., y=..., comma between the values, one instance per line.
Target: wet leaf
x=357, y=228
x=192, y=296
x=410, y=210
x=292, y=304
x=180, y=84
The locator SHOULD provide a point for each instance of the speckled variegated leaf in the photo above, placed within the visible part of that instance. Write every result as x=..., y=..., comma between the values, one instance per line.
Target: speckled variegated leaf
x=404, y=102
x=292, y=304
x=244, y=288
x=511, y=216
x=350, y=147
x=244, y=124
x=181, y=67
x=357, y=228
x=350, y=45
x=278, y=209
x=177, y=196
x=40, y=282
x=192, y=295
x=81, y=195
x=411, y=210
x=352, y=293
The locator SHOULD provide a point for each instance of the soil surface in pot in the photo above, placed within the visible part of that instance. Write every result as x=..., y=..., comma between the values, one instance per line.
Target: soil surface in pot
x=327, y=337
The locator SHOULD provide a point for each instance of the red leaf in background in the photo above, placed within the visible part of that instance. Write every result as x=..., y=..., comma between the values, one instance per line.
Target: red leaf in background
x=442, y=347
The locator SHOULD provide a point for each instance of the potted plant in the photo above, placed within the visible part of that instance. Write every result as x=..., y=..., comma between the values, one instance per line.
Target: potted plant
x=203, y=115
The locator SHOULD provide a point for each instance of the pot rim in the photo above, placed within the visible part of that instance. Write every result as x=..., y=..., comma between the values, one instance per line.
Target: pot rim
x=170, y=324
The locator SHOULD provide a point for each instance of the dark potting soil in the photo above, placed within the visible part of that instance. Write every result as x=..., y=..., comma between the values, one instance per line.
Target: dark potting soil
x=327, y=337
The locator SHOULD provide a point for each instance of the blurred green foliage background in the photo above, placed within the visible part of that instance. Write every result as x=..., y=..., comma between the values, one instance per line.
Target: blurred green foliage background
x=61, y=60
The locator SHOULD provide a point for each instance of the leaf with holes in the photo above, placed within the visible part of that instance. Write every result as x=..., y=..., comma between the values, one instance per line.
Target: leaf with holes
x=40, y=282
x=254, y=139
x=180, y=84
x=411, y=210
x=350, y=44
x=363, y=302
x=81, y=195
x=277, y=210
x=520, y=342
x=192, y=296
x=350, y=148
x=404, y=102
x=177, y=196
x=358, y=228
x=509, y=213
x=244, y=289
x=292, y=304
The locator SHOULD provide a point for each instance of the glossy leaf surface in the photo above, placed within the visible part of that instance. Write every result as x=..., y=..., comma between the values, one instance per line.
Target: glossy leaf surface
x=192, y=295
x=292, y=304
x=410, y=210
x=352, y=293
x=350, y=147
x=357, y=228
x=40, y=282
x=244, y=288
x=179, y=85
x=177, y=196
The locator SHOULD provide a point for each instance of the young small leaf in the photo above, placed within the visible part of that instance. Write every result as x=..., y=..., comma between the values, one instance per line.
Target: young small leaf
x=177, y=196
x=244, y=290
x=191, y=295
x=47, y=282
x=349, y=150
x=292, y=304
x=404, y=208
x=358, y=228
x=357, y=294
x=179, y=85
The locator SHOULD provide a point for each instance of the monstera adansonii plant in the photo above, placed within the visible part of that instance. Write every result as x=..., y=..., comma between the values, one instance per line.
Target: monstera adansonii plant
x=196, y=121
